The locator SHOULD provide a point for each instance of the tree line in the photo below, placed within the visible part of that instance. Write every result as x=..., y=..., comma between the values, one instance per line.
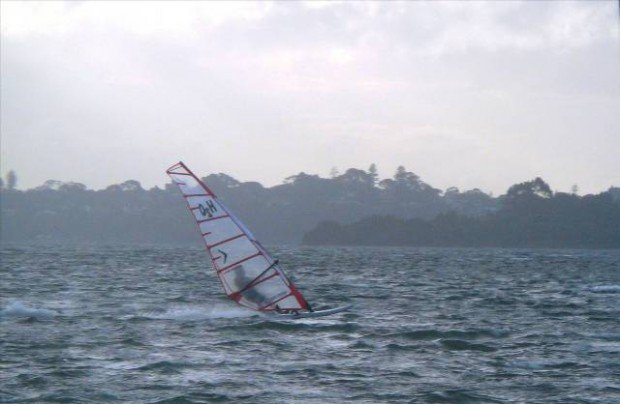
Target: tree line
x=304, y=207
x=529, y=215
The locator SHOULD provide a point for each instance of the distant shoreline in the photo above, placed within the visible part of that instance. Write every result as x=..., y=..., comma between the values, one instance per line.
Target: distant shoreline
x=354, y=208
x=198, y=246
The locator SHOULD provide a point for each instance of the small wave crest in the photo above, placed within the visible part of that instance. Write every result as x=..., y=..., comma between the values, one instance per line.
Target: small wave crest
x=197, y=313
x=461, y=345
x=429, y=334
x=165, y=366
x=17, y=309
x=605, y=289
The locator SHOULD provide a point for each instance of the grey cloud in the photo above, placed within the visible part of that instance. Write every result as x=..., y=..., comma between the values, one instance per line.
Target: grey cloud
x=501, y=91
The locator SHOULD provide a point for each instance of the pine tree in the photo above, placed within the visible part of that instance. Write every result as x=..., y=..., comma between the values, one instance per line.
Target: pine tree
x=373, y=173
x=11, y=180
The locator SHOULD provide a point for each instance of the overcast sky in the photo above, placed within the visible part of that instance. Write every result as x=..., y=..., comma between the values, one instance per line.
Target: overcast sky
x=464, y=94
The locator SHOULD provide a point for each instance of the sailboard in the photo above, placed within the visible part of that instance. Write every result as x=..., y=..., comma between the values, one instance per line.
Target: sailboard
x=249, y=275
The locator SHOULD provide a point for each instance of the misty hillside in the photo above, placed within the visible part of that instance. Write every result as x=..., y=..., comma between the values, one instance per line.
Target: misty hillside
x=353, y=208
x=127, y=213
x=530, y=215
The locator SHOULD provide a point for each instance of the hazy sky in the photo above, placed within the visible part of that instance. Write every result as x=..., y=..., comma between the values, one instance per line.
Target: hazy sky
x=467, y=94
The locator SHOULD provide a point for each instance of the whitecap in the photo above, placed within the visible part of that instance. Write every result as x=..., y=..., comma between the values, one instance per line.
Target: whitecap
x=605, y=289
x=525, y=364
x=17, y=309
x=197, y=313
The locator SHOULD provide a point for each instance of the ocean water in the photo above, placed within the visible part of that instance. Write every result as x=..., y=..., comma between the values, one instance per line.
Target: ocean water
x=427, y=325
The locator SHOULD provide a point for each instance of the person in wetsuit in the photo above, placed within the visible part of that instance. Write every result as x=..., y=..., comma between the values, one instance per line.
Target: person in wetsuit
x=241, y=281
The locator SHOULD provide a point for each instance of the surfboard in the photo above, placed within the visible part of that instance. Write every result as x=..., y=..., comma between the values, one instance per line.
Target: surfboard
x=249, y=275
x=310, y=314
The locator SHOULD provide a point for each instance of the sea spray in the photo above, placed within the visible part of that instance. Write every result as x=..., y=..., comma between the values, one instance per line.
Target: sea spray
x=17, y=309
x=605, y=289
x=200, y=313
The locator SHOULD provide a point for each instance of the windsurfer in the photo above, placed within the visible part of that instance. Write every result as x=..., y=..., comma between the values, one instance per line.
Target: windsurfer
x=242, y=280
x=249, y=286
x=286, y=311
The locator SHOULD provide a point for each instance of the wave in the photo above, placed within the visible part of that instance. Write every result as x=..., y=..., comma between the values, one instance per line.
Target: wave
x=197, y=313
x=165, y=366
x=292, y=324
x=17, y=309
x=460, y=396
x=461, y=345
x=430, y=334
x=538, y=364
x=605, y=289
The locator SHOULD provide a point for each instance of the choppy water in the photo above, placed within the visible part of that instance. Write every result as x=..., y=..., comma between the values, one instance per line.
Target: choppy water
x=428, y=325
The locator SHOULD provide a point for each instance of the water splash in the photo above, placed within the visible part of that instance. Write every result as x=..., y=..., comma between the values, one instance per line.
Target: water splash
x=17, y=309
x=605, y=289
x=199, y=313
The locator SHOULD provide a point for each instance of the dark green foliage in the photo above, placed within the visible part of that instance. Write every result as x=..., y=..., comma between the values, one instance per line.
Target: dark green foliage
x=399, y=211
x=374, y=174
x=530, y=216
x=127, y=213
x=11, y=180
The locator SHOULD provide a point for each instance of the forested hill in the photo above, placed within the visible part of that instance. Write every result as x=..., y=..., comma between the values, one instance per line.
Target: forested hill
x=59, y=212
x=70, y=212
x=530, y=215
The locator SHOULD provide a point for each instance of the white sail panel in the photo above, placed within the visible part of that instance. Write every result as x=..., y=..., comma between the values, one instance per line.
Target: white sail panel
x=187, y=183
x=206, y=226
x=247, y=272
x=250, y=268
x=288, y=301
x=274, y=288
x=262, y=294
x=194, y=201
x=219, y=230
x=205, y=207
x=231, y=250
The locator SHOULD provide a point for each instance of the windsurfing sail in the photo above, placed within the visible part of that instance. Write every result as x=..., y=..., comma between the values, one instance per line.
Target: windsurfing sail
x=249, y=275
